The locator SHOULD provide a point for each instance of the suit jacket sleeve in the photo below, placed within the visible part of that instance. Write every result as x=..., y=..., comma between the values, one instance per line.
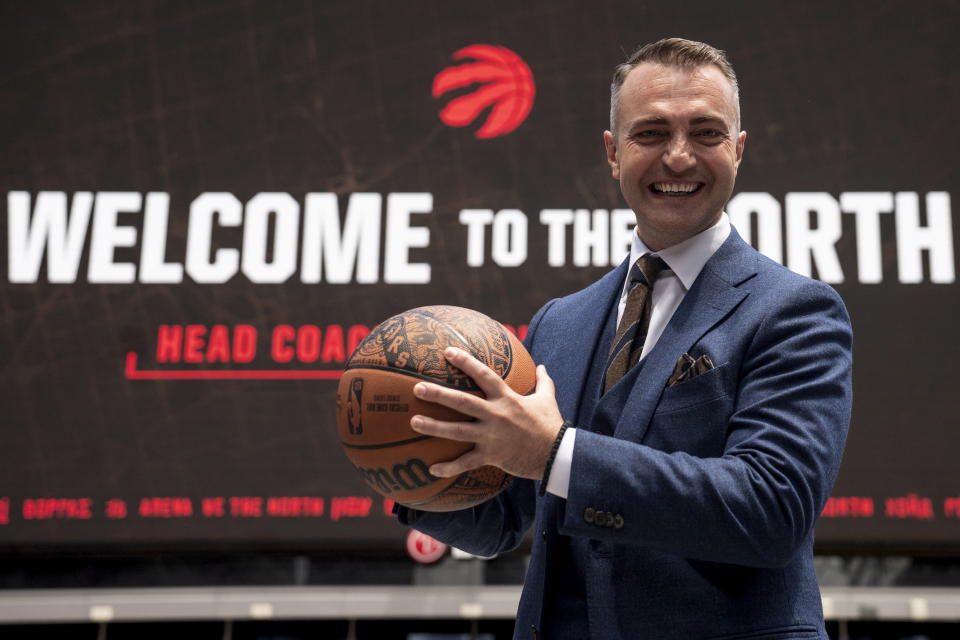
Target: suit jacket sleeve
x=494, y=526
x=756, y=503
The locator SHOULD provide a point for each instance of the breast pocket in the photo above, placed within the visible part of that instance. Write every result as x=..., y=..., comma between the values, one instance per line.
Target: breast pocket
x=692, y=415
x=701, y=389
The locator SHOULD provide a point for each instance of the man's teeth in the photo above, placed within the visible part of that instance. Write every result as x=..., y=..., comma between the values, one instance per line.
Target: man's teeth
x=673, y=187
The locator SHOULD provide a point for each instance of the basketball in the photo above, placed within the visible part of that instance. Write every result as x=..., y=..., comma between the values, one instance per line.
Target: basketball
x=375, y=402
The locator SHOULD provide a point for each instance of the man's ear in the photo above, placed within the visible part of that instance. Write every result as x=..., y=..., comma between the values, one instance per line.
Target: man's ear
x=610, y=144
x=741, y=141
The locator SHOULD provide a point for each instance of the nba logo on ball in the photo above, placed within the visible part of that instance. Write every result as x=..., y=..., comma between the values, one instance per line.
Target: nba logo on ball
x=354, y=406
x=392, y=458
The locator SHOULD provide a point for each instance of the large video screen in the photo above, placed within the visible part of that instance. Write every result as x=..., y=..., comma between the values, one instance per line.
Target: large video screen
x=205, y=207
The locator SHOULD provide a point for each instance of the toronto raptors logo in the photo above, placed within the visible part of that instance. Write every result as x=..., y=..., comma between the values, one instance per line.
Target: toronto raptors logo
x=506, y=85
x=424, y=549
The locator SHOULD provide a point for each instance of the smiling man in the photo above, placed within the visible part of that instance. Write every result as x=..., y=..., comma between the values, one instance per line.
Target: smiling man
x=675, y=466
x=675, y=147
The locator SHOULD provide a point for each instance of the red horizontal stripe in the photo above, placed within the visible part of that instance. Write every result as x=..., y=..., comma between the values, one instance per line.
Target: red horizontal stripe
x=132, y=373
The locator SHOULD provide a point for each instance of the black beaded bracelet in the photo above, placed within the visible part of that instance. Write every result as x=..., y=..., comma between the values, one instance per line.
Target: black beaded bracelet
x=553, y=456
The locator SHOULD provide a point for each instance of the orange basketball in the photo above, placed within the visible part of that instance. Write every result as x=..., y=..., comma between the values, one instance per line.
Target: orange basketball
x=375, y=402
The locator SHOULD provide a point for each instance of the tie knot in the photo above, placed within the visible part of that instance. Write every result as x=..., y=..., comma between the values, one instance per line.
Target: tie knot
x=646, y=269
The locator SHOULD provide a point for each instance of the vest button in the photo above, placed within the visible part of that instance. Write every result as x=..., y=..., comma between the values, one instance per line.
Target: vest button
x=588, y=515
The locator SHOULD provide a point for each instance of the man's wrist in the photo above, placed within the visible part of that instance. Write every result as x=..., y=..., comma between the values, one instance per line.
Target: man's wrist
x=559, y=481
x=552, y=456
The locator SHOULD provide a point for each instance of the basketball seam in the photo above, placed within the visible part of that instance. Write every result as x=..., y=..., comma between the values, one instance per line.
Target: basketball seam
x=419, y=503
x=385, y=445
x=413, y=374
x=431, y=498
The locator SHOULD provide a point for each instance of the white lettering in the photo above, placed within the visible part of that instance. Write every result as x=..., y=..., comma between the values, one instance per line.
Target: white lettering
x=199, y=237
x=767, y=210
x=591, y=236
x=805, y=242
x=107, y=235
x=509, y=245
x=556, y=221
x=256, y=231
x=476, y=221
x=867, y=208
x=357, y=248
x=936, y=237
x=622, y=223
x=47, y=229
x=401, y=237
x=153, y=268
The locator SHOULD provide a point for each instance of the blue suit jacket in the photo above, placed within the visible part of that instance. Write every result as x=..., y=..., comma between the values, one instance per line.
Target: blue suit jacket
x=691, y=508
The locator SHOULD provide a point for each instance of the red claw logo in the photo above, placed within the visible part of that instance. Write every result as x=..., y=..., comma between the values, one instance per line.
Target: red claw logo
x=507, y=85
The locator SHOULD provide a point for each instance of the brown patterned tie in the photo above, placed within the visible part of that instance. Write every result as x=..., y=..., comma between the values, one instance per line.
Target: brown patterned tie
x=632, y=330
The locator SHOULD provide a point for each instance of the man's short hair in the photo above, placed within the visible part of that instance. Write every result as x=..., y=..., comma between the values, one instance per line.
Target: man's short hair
x=673, y=52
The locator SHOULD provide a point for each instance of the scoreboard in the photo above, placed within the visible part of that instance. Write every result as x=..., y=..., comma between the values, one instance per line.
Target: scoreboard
x=204, y=209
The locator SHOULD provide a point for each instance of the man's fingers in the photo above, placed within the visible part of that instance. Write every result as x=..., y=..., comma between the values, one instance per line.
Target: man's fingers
x=545, y=382
x=460, y=431
x=466, y=462
x=461, y=401
x=488, y=381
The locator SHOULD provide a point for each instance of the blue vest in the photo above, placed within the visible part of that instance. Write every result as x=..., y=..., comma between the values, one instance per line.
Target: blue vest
x=565, y=597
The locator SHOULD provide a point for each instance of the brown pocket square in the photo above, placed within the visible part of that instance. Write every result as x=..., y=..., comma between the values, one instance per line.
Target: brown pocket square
x=687, y=368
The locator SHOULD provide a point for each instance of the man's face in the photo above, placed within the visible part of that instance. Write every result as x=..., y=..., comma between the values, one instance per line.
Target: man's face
x=676, y=149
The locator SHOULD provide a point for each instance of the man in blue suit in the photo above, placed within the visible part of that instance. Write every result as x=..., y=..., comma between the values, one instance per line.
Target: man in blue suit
x=679, y=498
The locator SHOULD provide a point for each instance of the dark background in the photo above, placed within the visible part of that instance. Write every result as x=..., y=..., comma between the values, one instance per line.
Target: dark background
x=298, y=97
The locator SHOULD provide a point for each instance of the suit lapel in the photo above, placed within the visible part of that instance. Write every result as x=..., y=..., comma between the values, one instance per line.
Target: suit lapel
x=583, y=324
x=712, y=297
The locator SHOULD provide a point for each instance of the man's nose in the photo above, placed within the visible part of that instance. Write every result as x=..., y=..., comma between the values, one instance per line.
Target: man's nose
x=679, y=156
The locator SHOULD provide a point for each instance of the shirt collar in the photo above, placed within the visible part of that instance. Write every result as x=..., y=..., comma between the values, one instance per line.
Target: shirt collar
x=686, y=259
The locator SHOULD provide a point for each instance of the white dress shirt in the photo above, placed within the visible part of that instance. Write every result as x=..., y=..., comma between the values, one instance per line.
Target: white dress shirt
x=684, y=261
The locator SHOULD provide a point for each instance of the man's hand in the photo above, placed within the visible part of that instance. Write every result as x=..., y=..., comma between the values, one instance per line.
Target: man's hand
x=511, y=431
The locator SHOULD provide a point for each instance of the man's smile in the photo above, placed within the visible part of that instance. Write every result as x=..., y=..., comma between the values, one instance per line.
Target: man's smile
x=675, y=189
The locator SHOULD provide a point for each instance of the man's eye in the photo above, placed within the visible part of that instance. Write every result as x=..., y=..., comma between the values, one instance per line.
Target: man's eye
x=650, y=133
x=710, y=133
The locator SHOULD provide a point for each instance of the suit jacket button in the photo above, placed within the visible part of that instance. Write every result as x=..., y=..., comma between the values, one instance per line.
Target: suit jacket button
x=589, y=514
x=607, y=519
x=600, y=518
x=618, y=521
